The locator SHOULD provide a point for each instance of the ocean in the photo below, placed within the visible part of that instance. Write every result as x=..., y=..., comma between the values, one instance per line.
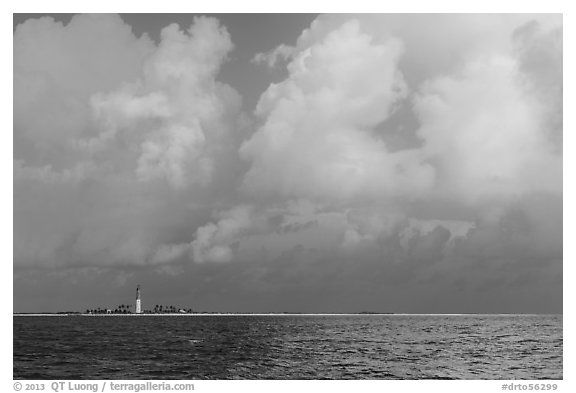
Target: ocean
x=288, y=347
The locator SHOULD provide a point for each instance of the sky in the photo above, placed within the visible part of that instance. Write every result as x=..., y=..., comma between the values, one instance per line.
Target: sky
x=404, y=163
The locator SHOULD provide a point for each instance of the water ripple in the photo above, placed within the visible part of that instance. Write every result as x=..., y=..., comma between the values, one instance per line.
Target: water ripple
x=289, y=347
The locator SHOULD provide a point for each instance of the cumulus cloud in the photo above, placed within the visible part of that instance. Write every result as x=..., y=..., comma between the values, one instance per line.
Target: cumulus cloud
x=316, y=140
x=272, y=58
x=398, y=149
x=484, y=130
x=122, y=129
x=539, y=50
x=486, y=133
x=57, y=68
x=177, y=112
x=483, y=127
x=216, y=242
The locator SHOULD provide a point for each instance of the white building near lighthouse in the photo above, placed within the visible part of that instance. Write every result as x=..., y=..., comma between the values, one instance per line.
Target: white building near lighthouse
x=138, y=303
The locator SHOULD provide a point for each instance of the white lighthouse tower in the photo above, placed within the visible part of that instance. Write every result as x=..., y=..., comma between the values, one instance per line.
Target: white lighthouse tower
x=138, y=304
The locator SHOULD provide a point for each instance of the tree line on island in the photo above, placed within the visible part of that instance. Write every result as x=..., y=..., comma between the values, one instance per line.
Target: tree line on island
x=128, y=309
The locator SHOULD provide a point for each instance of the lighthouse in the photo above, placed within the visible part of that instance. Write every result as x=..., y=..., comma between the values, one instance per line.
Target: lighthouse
x=138, y=305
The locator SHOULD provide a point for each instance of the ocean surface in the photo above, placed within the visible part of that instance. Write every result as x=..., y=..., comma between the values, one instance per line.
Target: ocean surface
x=288, y=347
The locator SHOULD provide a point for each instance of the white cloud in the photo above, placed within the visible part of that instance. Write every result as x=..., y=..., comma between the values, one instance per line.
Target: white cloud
x=272, y=58
x=317, y=138
x=488, y=120
x=57, y=68
x=121, y=129
x=215, y=242
x=485, y=133
x=177, y=112
x=132, y=144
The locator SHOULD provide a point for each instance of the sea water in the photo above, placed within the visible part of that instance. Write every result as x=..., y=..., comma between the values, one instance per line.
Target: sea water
x=289, y=347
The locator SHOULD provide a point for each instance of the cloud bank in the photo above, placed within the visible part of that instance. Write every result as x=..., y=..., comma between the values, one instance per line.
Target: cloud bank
x=141, y=140
x=424, y=149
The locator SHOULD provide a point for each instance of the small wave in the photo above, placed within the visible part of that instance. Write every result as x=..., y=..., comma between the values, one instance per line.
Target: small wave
x=528, y=340
x=225, y=348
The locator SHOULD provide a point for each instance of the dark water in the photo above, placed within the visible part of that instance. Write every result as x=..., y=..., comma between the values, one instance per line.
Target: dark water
x=288, y=347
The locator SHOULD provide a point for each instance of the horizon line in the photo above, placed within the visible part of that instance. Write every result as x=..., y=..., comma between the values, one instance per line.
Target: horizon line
x=272, y=314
